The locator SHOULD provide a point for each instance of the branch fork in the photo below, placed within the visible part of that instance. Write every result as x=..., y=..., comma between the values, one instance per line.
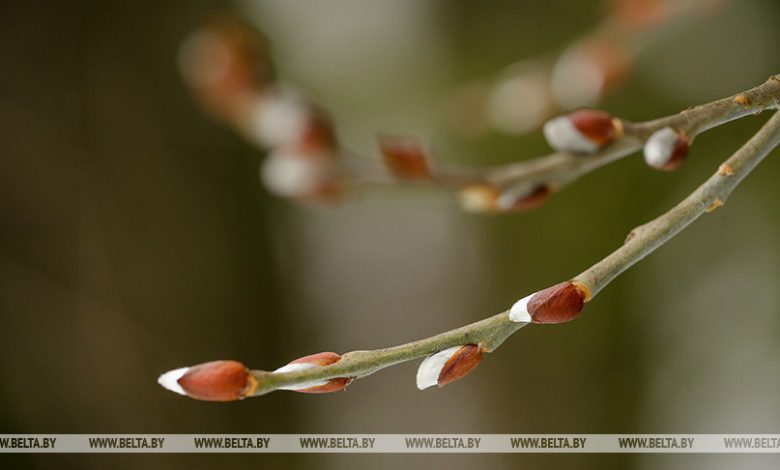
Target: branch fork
x=585, y=140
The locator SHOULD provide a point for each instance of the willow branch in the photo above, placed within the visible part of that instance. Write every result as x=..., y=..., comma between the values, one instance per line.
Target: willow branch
x=556, y=304
x=228, y=68
x=644, y=239
x=491, y=332
x=560, y=168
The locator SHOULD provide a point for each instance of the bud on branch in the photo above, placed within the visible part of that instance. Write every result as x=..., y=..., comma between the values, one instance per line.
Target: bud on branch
x=405, y=157
x=211, y=381
x=582, y=132
x=666, y=149
x=308, y=362
x=586, y=139
x=448, y=365
x=557, y=304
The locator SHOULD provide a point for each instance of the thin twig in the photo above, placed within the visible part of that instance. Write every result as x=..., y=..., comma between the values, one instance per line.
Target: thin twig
x=491, y=332
x=559, y=169
x=307, y=162
x=644, y=239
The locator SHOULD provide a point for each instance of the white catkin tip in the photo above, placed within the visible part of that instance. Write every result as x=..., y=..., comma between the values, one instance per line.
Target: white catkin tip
x=290, y=174
x=431, y=366
x=660, y=146
x=577, y=80
x=278, y=118
x=562, y=135
x=519, y=311
x=295, y=367
x=519, y=103
x=170, y=380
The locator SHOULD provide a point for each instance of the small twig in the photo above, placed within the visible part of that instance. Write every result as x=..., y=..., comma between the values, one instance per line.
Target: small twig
x=556, y=304
x=491, y=332
x=228, y=68
x=559, y=169
x=709, y=196
x=488, y=333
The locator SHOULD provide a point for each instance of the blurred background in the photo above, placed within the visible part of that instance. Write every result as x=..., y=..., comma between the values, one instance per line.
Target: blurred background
x=135, y=236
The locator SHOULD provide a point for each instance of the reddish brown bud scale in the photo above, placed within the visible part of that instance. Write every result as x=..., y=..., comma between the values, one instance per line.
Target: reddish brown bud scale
x=405, y=158
x=557, y=304
x=217, y=381
x=333, y=385
x=318, y=136
x=317, y=360
x=533, y=200
x=596, y=126
x=584, y=132
x=679, y=152
x=460, y=364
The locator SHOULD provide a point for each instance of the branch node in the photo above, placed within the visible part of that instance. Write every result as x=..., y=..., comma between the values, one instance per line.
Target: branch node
x=742, y=100
x=717, y=202
x=582, y=289
x=726, y=170
x=634, y=232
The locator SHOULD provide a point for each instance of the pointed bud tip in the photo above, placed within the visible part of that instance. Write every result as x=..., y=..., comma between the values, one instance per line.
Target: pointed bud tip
x=170, y=380
x=319, y=359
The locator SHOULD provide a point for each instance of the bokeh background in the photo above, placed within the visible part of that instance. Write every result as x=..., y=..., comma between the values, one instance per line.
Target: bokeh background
x=135, y=238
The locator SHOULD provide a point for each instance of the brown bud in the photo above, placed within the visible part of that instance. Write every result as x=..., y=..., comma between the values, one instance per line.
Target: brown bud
x=217, y=381
x=557, y=304
x=582, y=132
x=223, y=63
x=405, y=157
x=333, y=385
x=319, y=135
x=448, y=365
x=319, y=359
x=597, y=126
x=460, y=364
x=666, y=149
x=531, y=201
x=316, y=360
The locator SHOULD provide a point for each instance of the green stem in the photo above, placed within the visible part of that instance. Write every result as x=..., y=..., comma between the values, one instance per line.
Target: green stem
x=492, y=331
